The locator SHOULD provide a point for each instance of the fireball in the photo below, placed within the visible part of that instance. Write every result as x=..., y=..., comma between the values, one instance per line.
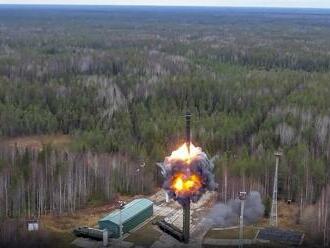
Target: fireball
x=185, y=184
x=188, y=174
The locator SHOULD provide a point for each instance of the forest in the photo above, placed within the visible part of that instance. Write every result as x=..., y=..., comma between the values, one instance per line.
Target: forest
x=117, y=81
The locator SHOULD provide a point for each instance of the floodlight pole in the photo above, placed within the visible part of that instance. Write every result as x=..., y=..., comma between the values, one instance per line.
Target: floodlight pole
x=120, y=225
x=121, y=206
x=273, y=213
x=242, y=197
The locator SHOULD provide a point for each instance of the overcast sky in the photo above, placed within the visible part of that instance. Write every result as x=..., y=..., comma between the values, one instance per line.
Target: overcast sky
x=252, y=3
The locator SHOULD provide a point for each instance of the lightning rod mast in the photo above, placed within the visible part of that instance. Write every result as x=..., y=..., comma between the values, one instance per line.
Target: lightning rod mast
x=273, y=214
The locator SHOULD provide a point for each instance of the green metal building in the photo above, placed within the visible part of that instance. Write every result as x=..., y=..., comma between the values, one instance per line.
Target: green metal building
x=133, y=214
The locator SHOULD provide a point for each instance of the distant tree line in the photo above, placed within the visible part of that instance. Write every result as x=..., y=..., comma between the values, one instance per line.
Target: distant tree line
x=35, y=182
x=119, y=82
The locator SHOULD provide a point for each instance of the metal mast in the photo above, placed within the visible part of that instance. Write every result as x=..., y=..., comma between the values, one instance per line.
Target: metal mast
x=121, y=207
x=242, y=197
x=273, y=214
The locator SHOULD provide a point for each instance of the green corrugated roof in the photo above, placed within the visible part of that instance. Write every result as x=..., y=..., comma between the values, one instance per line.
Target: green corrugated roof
x=130, y=210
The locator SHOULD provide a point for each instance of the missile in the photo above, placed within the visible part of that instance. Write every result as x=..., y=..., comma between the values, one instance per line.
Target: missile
x=188, y=136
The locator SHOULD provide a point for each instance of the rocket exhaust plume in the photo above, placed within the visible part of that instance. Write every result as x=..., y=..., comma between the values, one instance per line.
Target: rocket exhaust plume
x=188, y=175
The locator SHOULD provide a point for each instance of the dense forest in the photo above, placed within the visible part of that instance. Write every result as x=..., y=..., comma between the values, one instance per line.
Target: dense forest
x=117, y=80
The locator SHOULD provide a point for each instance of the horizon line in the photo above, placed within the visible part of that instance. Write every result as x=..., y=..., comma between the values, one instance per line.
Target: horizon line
x=161, y=5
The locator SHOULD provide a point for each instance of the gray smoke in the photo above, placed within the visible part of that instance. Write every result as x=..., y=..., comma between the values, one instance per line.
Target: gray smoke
x=225, y=215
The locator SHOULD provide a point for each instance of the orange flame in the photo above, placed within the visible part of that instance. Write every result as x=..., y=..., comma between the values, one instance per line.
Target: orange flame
x=184, y=155
x=186, y=184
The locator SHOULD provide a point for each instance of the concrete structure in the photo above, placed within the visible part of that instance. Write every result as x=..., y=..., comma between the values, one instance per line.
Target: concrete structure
x=287, y=238
x=105, y=238
x=131, y=215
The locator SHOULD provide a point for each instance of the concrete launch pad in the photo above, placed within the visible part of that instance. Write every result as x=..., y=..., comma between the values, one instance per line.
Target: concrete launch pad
x=149, y=235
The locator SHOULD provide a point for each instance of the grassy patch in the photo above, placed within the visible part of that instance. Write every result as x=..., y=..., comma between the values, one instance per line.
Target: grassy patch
x=64, y=239
x=249, y=233
x=145, y=236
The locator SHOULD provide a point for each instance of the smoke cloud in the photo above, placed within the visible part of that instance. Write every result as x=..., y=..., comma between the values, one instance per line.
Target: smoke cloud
x=225, y=215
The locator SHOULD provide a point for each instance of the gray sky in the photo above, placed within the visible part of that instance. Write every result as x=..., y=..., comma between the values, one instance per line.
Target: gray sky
x=252, y=3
